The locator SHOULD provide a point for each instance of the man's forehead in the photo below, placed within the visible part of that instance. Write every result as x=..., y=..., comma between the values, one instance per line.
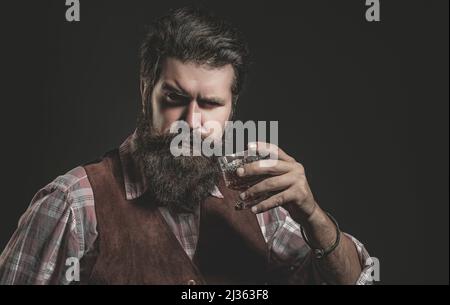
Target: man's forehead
x=191, y=78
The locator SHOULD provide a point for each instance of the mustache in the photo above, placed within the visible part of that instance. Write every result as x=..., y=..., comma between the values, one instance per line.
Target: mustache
x=191, y=141
x=164, y=142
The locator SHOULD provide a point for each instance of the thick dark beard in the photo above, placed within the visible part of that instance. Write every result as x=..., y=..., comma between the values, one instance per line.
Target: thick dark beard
x=179, y=183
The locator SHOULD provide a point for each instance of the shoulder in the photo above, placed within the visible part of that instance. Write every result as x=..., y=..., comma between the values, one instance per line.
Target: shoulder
x=59, y=223
x=73, y=188
x=64, y=210
x=67, y=200
x=71, y=181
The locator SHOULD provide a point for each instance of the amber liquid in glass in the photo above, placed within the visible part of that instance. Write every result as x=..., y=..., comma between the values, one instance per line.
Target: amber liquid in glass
x=229, y=164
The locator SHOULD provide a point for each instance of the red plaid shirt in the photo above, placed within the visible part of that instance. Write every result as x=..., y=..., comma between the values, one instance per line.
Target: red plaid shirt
x=61, y=223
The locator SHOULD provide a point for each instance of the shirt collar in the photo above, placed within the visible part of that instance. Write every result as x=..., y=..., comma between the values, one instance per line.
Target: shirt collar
x=133, y=177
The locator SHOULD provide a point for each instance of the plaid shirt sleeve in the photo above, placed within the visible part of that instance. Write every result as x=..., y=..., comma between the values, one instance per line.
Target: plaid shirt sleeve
x=287, y=247
x=59, y=224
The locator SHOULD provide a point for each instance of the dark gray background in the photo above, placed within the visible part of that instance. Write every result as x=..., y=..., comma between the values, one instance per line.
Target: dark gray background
x=364, y=106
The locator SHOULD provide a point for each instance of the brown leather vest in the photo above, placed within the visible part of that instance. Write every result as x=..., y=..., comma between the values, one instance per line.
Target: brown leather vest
x=136, y=246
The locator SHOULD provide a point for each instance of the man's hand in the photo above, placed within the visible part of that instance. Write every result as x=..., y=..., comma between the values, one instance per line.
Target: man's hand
x=286, y=180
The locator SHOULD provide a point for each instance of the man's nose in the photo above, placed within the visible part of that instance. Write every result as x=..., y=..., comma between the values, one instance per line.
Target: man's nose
x=193, y=116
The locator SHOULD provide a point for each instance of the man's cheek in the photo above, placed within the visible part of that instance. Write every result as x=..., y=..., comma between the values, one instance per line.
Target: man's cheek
x=214, y=129
x=166, y=119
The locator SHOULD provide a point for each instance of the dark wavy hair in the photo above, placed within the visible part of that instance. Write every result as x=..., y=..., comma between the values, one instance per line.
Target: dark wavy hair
x=192, y=34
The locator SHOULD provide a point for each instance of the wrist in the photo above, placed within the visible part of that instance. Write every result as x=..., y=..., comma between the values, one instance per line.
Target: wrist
x=322, y=251
x=320, y=229
x=317, y=219
x=309, y=216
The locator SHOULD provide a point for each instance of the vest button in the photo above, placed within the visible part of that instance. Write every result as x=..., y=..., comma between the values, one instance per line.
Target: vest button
x=191, y=282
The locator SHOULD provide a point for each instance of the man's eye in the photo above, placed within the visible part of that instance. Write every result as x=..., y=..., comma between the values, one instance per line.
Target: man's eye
x=171, y=97
x=174, y=99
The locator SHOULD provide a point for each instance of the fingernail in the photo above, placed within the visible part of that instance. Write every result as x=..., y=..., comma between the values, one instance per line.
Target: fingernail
x=254, y=209
x=243, y=196
x=240, y=171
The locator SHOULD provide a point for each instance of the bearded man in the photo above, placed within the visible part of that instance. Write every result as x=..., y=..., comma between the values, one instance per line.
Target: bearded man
x=140, y=215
